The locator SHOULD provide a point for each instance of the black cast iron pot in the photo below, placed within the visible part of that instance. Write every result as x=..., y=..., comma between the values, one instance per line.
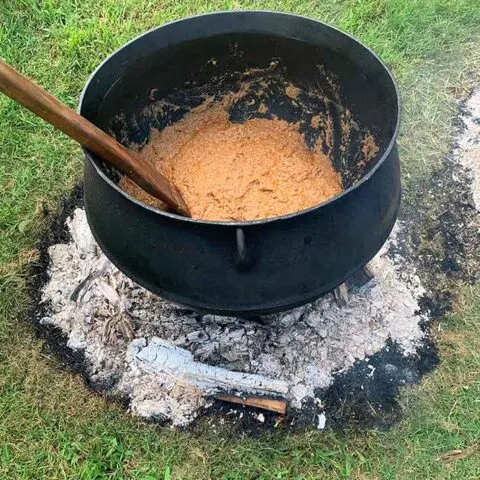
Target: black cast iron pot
x=248, y=268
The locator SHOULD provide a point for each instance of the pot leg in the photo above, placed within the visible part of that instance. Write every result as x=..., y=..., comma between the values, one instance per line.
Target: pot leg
x=359, y=279
x=341, y=295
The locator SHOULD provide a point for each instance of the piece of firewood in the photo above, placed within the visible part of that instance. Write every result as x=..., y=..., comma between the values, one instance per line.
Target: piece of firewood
x=270, y=404
x=162, y=356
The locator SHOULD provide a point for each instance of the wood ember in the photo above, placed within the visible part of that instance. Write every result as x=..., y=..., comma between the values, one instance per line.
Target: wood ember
x=170, y=362
x=270, y=404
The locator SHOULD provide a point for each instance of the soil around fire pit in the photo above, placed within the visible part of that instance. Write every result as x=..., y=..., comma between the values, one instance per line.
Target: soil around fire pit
x=55, y=339
x=437, y=238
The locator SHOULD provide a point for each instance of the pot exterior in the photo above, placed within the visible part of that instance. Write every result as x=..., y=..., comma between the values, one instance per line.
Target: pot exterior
x=250, y=268
x=290, y=261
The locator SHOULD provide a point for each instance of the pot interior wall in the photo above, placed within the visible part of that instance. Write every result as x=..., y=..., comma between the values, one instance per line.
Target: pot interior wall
x=277, y=77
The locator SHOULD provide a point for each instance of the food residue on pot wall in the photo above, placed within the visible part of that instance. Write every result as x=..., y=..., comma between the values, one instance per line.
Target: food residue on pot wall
x=369, y=148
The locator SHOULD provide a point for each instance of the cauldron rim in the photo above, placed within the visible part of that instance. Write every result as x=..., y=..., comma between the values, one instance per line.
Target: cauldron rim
x=174, y=216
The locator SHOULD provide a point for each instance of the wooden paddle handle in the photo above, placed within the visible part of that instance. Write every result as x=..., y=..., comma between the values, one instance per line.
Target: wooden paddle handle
x=41, y=103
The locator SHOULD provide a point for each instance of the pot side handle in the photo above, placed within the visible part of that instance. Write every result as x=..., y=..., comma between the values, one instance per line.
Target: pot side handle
x=243, y=258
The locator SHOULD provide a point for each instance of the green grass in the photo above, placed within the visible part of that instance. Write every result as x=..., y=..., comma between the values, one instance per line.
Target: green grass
x=51, y=426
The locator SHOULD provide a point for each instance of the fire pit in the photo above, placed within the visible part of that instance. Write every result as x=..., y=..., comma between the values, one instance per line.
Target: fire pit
x=170, y=363
x=299, y=70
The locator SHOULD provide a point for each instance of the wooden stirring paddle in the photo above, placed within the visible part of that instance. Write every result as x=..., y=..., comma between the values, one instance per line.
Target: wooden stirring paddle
x=41, y=103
